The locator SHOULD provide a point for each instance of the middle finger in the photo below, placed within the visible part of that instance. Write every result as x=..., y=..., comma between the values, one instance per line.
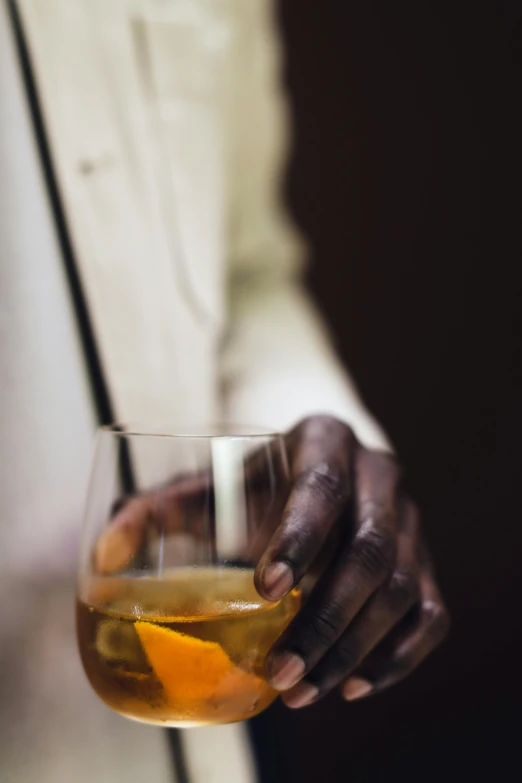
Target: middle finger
x=362, y=565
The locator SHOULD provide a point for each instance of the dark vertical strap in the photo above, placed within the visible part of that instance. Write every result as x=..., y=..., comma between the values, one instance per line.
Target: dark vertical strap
x=179, y=759
x=268, y=747
x=99, y=388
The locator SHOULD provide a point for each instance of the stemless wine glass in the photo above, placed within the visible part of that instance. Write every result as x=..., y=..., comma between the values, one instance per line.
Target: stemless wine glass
x=171, y=628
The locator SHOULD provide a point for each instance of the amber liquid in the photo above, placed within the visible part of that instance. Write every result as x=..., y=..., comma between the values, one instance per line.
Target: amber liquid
x=184, y=650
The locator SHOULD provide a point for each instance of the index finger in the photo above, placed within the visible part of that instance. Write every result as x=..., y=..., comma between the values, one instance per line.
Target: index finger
x=321, y=467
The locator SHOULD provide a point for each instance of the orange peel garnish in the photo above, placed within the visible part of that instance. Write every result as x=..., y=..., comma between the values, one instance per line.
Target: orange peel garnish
x=190, y=670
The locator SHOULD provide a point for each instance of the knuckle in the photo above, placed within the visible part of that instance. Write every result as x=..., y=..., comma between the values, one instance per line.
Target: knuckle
x=437, y=619
x=431, y=611
x=375, y=549
x=328, y=481
x=377, y=514
x=403, y=588
x=326, y=625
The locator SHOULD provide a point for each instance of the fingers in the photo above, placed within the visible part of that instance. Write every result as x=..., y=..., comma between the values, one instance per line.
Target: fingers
x=377, y=619
x=321, y=471
x=165, y=510
x=362, y=566
x=122, y=539
x=187, y=503
x=399, y=659
x=377, y=477
x=385, y=609
x=377, y=577
x=316, y=502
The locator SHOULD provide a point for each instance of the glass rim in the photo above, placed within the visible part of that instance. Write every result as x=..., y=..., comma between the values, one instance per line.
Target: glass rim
x=230, y=431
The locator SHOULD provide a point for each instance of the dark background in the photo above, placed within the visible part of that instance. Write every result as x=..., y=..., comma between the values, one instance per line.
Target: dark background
x=406, y=177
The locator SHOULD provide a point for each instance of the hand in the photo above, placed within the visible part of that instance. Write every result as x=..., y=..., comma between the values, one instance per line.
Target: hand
x=376, y=611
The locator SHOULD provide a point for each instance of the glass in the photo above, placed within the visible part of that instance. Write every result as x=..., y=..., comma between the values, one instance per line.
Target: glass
x=171, y=628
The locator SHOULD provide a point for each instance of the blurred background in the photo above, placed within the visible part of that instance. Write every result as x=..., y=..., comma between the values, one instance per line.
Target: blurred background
x=406, y=177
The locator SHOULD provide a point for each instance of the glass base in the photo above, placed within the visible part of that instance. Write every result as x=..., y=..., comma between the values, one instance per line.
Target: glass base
x=179, y=724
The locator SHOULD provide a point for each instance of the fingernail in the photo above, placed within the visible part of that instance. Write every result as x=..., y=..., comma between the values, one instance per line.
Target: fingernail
x=277, y=580
x=286, y=671
x=301, y=695
x=356, y=688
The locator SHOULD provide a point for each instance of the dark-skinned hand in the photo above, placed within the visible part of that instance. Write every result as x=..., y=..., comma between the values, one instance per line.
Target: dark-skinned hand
x=375, y=611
